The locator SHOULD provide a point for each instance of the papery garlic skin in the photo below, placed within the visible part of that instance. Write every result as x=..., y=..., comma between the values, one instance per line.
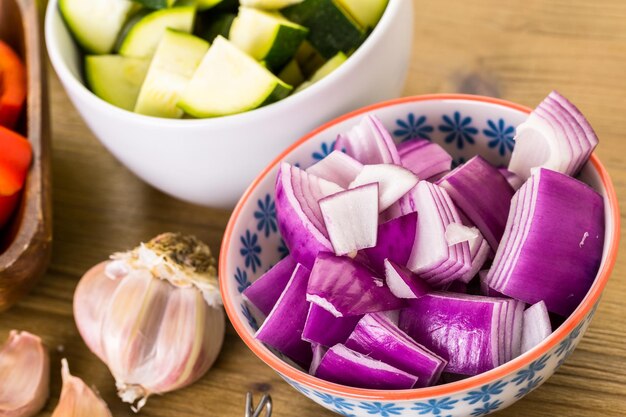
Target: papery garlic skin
x=153, y=315
x=24, y=375
x=77, y=399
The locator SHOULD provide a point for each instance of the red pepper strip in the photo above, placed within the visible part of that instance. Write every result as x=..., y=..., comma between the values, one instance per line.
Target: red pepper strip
x=15, y=157
x=7, y=206
x=12, y=86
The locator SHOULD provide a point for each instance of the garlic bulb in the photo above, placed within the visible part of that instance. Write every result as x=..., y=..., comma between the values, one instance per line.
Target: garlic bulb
x=153, y=315
x=24, y=375
x=77, y=399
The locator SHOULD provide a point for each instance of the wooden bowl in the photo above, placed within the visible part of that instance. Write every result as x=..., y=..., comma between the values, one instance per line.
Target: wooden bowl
x=25, y=245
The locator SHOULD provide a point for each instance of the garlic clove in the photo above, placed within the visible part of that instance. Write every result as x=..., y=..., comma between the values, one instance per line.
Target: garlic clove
x=77, y=399
x=24, y=375
x=96, y=284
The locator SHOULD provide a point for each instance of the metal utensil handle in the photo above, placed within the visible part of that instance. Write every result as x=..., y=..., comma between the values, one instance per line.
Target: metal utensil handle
x=264, y=404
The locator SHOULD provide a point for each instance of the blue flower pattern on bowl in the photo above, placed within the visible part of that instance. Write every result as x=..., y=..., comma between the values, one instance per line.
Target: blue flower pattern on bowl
x=251, y=250
x=413, y=128
x=266, y=215
x=459, y=129
x=501, y=135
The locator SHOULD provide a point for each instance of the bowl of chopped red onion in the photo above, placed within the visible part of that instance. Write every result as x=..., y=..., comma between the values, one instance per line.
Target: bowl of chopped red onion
x=430, y=255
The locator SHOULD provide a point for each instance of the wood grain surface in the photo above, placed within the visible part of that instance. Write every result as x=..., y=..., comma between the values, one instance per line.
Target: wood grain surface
x=517, y=49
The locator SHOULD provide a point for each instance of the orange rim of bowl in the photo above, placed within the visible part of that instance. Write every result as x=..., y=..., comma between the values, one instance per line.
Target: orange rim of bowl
x=441, y=390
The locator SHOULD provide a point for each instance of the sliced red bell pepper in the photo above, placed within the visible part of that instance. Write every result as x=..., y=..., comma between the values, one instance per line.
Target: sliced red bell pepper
x=12, y=86
x=7, y=206
x=15, y=157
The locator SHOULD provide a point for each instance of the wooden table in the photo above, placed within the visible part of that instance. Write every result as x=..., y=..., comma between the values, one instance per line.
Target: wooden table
x=518, y=50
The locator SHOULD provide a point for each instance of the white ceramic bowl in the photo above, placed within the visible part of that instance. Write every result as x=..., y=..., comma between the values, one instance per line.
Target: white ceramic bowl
x=211, y=161
x=464, y=126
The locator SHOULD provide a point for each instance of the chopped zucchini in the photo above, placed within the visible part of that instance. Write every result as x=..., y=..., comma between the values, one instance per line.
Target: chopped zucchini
x=366, y=12
x=292, y=74
x=269, y=4
x=332, y=64
x=218, y=24
x=116, y=79
x=331, y=28
x=266, y=36
x=175, y=60
x=156, y=4
x=143, y=37
x=309, y=59
x=229, y=81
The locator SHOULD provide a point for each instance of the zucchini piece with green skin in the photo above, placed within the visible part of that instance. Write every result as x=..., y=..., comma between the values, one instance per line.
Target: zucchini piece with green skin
x=116, y=79
x=331, y=65
x=176, y=59
x=95, y=24
x=201, y=4
x=309, y=59
x=366, y=12
x=292, y=74
x=269, y=4
x=156, y=4
x=229, y=81
x=331, y=28
x=144, y=36
x=266, y=36
x=216, y=25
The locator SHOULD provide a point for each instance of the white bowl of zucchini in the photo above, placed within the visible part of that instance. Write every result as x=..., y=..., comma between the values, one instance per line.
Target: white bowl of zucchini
x=197, y=96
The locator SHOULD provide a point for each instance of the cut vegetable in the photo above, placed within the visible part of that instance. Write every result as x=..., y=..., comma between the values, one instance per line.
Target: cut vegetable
x=366, y=12
x=208, y=4
x=482, y=194
x=431, y=257
x=552, y=245
x=216, y=25
x=403, y=283
x=378, y=338
x=514, y=181
x=143, y=37
x=228, y=81
x=323, y=71
x=116, y=79
x=265, y=291
x=174, y=63
x=291, y=74
x=298, y=213
x=485, y=289
x=282, y=329
x=470, y=332
x=555, y=136
x=344, y=287
x=351, y=218
x=95, y=24
x=457, y=233
x=395, y=240
x=269, y=4
x=318, y=353
x=266, y=36
x=325, y=329
x=345, y=366
x=309, y=59
x=369, y=143
x=156, y=4
x=393, y=182
x=536, y=326
x=331, y=27
x=15, y=160
x=424, y=158
x=337, y=167
x=12, y=86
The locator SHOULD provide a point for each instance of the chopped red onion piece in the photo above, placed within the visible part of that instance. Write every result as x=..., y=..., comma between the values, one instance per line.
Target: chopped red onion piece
x=512, y=178
x=378, y=338
x=282, y=329
x=552, y=246
x=536, y=327
x=345, y=366
x=337, y=167
x=457, y=233
x=345, y=287
x=369, y=143
x=482, y=194
x=393, y=182
x=485, y=289
x=265, y=291
x=468, y=331
x=431, y=257
x=298, y=213
x=403, y=283
x=318, y=353
x=424, y=158
x=325, y=329
x=555, y=136
x=351, y=218
x=395, y=240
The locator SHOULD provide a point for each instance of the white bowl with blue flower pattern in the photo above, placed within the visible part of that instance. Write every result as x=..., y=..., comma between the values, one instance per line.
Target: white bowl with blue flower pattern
x=465, y=126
